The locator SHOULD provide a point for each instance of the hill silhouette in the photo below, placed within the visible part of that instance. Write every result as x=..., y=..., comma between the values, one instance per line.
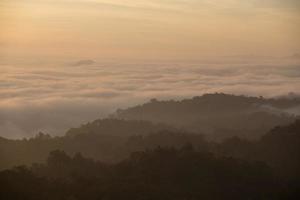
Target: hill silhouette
x=278, y=148
x=101, y=140
x=162, y=173
x=112, y=139
x=218, y=115
x=118, y=158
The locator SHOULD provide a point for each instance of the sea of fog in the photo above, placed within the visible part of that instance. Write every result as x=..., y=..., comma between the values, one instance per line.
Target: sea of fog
x=52, y=96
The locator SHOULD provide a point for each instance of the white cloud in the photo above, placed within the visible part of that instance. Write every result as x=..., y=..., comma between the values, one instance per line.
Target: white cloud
x=55, y=98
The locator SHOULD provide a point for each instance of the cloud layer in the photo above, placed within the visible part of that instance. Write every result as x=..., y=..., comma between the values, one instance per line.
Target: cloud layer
x=57, y=96
x=55, y=91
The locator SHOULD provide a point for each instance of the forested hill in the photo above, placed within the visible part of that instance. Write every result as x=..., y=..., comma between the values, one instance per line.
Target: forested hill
x=101, y=139
x=215, y=116
x=234, y=169
x=115, y=127
x=218, y=115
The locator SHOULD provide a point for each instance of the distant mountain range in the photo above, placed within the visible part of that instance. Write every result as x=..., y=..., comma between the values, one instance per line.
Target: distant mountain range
x=218, y=115
x=205, y=122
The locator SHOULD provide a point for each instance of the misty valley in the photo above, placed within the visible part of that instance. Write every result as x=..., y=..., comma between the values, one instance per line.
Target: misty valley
x=214, y=146
x=149, y=100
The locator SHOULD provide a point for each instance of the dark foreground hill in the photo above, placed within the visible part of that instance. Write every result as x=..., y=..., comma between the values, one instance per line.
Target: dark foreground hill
x=279, y=148
x=160, y=174
x=140, y=160
x=218, y=115
x=136, y=159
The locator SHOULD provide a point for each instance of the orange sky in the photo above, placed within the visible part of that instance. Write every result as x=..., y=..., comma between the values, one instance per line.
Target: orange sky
x=160, y=29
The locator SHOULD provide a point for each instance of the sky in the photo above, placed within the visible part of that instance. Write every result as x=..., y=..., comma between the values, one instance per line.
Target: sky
x=66, y=62
x=144, y=29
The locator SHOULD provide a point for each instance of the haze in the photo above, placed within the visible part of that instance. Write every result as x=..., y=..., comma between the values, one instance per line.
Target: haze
x=65, y=62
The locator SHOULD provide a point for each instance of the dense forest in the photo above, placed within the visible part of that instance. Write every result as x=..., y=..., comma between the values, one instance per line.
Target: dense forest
x=159, y=151
x=162, y=173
